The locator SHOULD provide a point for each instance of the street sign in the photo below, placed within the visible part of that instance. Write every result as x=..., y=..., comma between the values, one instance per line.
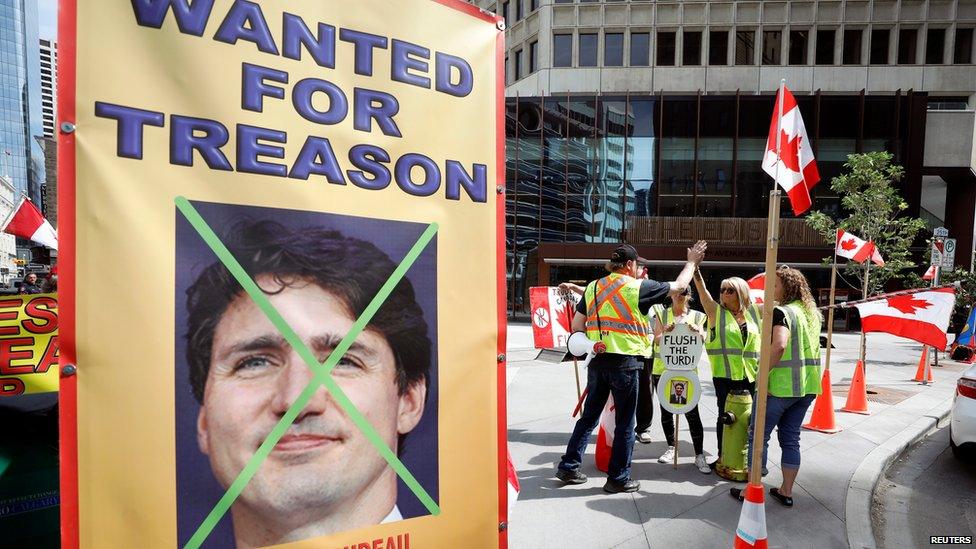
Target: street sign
x=940, y=232
x=948, y=253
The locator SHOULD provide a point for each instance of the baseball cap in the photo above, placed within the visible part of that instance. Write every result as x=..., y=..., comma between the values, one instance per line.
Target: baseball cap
x=625, y=253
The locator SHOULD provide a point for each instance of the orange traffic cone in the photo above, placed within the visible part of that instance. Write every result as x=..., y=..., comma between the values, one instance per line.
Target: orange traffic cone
x=922, y=362
x=857, y=398
x=751, y=532
x=823, y=409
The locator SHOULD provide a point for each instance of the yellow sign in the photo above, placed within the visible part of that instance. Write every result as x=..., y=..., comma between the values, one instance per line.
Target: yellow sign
x=28, y=344
x=298, y=343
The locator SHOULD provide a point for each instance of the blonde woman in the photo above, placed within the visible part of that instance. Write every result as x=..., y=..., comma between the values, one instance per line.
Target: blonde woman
x=794, y=374
x=732, y=342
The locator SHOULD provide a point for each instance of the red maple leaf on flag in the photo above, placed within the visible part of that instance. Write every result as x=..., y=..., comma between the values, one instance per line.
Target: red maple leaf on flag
x=790, y=151
x=907, y=304
x=848, y=244
x=562, y=317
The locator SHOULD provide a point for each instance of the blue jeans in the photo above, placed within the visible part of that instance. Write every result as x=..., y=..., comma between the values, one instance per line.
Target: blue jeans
x=786, y=414
x=600, y=383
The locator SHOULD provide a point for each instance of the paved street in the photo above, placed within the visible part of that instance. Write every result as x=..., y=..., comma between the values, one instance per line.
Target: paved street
x=928, y=492
x=683, y=507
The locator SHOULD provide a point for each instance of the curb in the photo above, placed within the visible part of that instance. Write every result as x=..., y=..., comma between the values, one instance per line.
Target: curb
x=860, y=491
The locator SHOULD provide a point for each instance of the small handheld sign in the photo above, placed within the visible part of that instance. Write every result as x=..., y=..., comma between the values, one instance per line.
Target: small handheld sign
x=679, y=391
x=681, y=348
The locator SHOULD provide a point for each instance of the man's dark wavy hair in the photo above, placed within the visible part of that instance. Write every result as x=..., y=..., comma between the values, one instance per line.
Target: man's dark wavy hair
x=352, y=269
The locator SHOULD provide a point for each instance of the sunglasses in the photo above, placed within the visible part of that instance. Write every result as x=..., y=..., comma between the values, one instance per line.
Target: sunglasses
x=727, y=290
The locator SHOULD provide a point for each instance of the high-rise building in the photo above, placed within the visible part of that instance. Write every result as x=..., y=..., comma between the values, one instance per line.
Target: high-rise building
x=49, y=85
x=646, y=121
x=21, y=156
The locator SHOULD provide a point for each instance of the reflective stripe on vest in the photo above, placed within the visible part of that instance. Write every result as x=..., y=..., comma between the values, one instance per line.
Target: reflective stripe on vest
x=612, y=315
x=793, y=355
x=727, y=359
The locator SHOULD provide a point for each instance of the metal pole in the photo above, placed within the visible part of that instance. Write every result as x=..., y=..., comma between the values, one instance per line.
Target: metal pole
x=830, y=311
x=864, y=294
x=928, y=367
x=772, y=247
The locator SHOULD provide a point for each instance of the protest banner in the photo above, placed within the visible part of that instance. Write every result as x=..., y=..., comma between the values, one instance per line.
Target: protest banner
x=681, y=348
x=552, y=316
x=28, y=344
x=297, y=199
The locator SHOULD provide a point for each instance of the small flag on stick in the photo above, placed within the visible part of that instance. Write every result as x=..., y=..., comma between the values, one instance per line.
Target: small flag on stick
x=28, y=222
x=797, y=170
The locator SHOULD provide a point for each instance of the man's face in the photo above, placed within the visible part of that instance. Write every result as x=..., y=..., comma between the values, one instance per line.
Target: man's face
x=31, y=278
x=323, y=460
x=679, y=389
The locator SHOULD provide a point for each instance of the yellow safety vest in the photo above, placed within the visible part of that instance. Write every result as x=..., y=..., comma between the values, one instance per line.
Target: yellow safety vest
x=665, y=317
x=612, y=315
x=798, y=372
x=730, y=357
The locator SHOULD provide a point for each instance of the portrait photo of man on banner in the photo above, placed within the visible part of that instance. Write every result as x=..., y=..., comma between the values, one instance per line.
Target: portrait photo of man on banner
x=238, y=374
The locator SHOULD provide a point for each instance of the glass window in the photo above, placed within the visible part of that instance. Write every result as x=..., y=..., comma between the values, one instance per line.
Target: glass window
x=852, y=46
x=879, y=46
x=825, y=47
x=714, y=178
x=533, y=57
x=963, y=52
x=613, y=49
x=562, y=50
x=677, y=192
x=518, y=10
x=798, y=47
x=504, y=12
x=587, y=49
x=718, y=48
x=518, y=64
x=907, y=39
x=507, y=78
x=535, y=5
x=640, y=49
x=751, y=182
x=665, y=48
x=691, y=48
x=935, y=47
x=641, y=193
x=772, y=44
x=745, y=44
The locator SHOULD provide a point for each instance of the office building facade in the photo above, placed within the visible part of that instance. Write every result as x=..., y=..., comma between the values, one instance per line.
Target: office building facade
x=49, y=86
x=20, y=98
x=646, y=122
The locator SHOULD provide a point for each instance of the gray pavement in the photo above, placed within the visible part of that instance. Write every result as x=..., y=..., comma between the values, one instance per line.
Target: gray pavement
x=926, y=492
x=684, y=507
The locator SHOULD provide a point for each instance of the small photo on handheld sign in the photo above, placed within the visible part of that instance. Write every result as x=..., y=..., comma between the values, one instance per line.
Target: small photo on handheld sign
x=289, y=289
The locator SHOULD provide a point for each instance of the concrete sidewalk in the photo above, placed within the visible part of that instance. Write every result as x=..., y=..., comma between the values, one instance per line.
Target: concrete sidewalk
x=686, y=508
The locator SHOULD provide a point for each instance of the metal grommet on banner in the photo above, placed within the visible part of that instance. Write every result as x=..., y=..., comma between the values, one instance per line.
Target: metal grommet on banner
x=67, y=127
x=500, y=25
x=502, y=526
x=501, y=357
x=499, y=189
x=69, y=370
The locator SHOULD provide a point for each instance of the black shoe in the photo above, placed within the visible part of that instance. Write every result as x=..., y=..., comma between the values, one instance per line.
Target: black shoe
x=785, y=500
x=765, y=471
x=570, y=477
x=737, y=493
x=615, y=487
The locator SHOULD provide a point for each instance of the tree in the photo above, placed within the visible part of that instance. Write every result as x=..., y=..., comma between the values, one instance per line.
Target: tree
x=876, y=212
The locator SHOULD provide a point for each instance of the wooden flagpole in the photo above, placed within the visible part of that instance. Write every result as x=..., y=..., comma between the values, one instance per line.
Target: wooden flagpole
x=864, y=335
x=569, y=307
x=772, y=247
x=830, y=311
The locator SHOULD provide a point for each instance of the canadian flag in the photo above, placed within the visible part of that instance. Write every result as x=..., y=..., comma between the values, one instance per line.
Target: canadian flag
x=855, y=249
x=797, y=170
x=552, y=315
x=929, y=274
x=921, y=316
x=604, y=437
x=27, y=222
x=757, y=288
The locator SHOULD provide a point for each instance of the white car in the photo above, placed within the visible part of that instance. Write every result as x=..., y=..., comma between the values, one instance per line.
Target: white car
x=962, y=428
